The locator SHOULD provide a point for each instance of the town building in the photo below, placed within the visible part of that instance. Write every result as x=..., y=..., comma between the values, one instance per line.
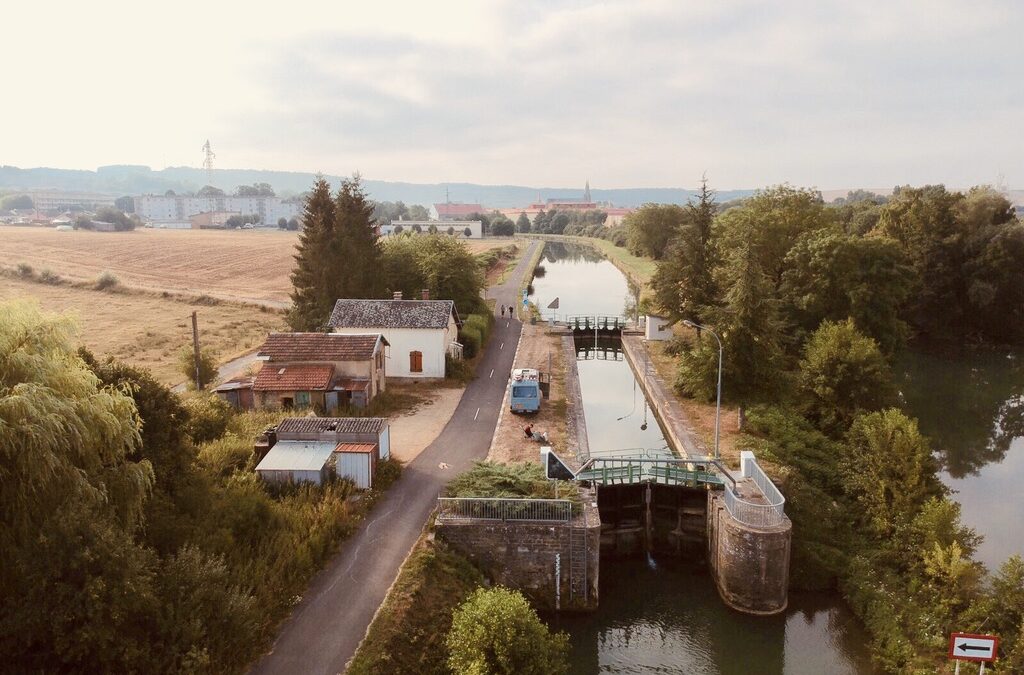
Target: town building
x=58, y=200
x=421, y=333
x=211, y=220
x=318, y=449
x=454, y=210
x=169, y=208
x=457, y=228
x=323, y=371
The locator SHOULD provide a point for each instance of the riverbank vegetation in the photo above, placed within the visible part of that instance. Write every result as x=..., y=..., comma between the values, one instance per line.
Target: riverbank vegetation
x=812, y=304
x=134, y=535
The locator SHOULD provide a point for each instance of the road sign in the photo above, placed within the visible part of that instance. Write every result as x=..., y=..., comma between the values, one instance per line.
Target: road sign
x=553, y=304
x=971, y=647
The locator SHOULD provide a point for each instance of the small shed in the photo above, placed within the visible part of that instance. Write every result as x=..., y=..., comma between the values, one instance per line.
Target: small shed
x=238, y=392
x=298, y=461
x=657, y=328
x=373, y=430
x=356, y=461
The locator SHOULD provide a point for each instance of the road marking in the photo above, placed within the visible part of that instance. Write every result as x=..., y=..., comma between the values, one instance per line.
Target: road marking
x=492, y=374
x=507, y=324
x=502, y=346
x=477, y=414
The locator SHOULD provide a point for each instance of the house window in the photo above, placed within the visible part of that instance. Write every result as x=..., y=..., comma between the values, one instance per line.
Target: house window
x=416, y=362
x=302, y=399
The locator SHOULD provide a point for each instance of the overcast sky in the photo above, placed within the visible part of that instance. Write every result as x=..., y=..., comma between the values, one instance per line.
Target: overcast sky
x=627, y=94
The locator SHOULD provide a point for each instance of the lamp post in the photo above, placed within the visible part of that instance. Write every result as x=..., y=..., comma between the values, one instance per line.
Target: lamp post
x=718, y=405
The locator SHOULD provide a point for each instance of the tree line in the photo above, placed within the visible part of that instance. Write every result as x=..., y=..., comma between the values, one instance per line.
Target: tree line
x=341, y=255
x=812, y=302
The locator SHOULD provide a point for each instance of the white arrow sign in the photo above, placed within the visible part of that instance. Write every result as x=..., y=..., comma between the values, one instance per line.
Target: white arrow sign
x=969, y=647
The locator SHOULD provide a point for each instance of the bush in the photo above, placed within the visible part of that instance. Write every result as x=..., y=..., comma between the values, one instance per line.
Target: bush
x=386, y=473
x=496, y=631
x=48, y=276
x=25, y=270
x=208, y=417
x=105, y=281
x=482, y=323
x=525, y=479
x=471, y=341
x=457, y=369
x=187, y=366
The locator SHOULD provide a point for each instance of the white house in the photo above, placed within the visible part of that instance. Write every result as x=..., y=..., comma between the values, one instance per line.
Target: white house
x=420, y=332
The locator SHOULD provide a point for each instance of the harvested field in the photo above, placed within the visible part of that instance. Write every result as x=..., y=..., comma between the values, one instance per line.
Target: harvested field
x=146, y=329
x=243, y=265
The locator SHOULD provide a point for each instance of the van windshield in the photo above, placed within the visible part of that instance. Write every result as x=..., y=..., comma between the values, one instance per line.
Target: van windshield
x=524, y=392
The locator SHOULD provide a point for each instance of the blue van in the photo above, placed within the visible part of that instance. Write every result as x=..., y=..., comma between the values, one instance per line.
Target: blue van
x=526, y=392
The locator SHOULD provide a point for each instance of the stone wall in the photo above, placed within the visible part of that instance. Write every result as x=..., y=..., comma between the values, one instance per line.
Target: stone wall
x=522, y=555
x=750, y=567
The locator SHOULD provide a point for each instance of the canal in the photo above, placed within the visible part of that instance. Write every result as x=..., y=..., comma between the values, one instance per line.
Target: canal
x=663, y=615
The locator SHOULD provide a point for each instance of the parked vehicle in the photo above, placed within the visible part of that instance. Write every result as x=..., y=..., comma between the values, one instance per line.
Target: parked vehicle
x=526, y=392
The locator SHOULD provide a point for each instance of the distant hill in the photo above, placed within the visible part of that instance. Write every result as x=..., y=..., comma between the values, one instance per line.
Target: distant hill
x=120, y=180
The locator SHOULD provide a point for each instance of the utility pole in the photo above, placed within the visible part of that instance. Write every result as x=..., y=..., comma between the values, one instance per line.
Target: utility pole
x=195, y=348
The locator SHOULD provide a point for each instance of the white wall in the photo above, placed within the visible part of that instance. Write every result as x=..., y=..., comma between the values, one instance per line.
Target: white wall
x=657, y=328
x=159, y=207
x=430, y=341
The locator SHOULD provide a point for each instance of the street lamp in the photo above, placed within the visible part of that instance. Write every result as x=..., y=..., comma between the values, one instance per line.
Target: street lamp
x=718, y=405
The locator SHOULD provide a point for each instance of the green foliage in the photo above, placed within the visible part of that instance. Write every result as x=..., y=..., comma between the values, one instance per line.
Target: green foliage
x=208, y=416
x=523, y=223
x=492, y=479
x=443, y=265
x=832, y=276
x=888, y=468
x=651, y=228
x=843, y=374
x=471, y=341
x=109, y=214
x=187, y=366
x=683, y=284
x=106, y=281
x=48, y=276
x=458, y=370
x=16, y=202
x=408, y=633
x=255, y=190
x=495, y=631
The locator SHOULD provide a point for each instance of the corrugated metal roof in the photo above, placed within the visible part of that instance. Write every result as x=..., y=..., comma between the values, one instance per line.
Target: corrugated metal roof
x=364, y=448
x=274, y=377
x=319, y=347
x=377, y=314
x=344, y=425
x=297, y=456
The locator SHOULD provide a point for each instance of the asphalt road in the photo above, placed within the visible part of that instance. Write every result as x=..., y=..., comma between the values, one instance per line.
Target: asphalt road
x=327, y=626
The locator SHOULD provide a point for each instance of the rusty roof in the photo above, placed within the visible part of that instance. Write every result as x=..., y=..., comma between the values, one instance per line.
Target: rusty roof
x=319, y=347
x=364, y=448
x=293, y=378
x=344, y=425
x=377, y=314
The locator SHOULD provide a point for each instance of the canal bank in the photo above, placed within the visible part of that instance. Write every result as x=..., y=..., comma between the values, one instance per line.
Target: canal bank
x=629, y=632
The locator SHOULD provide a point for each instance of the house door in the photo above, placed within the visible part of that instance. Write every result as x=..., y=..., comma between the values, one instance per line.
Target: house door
x=416, y=362
x=331, y=402
x=302, y=399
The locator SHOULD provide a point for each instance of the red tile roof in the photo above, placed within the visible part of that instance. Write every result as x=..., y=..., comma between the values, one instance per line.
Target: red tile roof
x=293, y=378
x=285, y=347
x=365, y=448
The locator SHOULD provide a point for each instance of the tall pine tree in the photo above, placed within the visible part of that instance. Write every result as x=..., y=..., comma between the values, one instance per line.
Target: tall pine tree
x=354, y=268
x=311, y=304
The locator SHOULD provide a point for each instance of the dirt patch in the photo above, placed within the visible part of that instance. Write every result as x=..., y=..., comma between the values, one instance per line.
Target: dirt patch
x=413, y=430
x=510, y=445
x=702, y=415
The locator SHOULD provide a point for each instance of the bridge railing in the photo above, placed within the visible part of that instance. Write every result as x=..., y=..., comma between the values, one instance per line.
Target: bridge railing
x=504, y=509
x=640, y=466
x=765, y=513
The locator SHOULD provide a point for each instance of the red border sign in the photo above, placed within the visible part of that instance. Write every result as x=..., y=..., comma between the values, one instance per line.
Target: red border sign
x=963, y=656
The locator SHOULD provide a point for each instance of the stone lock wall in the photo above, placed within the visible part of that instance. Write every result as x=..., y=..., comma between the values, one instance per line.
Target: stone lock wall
x=521, y=555
x=750, y=567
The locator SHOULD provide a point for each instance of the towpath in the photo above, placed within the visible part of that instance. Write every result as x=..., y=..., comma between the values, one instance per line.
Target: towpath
x=329, y=623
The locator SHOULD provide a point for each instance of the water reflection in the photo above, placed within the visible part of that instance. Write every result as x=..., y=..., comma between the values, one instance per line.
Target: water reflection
x=664, y=616
x=584, y=282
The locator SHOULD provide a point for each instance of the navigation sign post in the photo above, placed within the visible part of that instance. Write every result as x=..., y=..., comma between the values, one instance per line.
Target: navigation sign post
x=973, y=647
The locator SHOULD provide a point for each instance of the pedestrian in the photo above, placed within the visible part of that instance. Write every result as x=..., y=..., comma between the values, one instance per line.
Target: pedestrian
x=503, y=311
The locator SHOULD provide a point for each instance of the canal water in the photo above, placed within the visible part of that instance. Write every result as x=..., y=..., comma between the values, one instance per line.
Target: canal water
x=663, y=615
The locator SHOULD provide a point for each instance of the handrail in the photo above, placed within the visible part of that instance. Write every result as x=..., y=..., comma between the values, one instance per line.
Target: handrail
x=504, y=509
x=762, y=515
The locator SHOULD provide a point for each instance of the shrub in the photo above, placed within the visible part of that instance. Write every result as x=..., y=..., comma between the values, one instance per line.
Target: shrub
x=48, y=276
x=208, y=417
x=387, y=472
x=482, y=323
x=471, y=341
x=105, y=281
x=187, y=366
x=223, y=456
x=496, y=631
x=457, y=369
x=25, y=270
x=491, y=479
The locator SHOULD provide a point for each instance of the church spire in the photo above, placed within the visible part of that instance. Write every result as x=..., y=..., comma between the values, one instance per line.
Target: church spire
x=586, y=192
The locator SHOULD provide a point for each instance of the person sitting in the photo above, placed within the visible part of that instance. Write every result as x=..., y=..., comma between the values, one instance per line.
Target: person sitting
x=529, y=431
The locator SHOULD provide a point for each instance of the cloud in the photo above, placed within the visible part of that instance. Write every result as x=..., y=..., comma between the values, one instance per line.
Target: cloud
x=625, y=93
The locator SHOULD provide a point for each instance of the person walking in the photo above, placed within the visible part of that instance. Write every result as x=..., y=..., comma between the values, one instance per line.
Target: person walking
x=503, y=311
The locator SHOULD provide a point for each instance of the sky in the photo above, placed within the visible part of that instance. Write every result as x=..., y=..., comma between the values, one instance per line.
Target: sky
x=527, y=92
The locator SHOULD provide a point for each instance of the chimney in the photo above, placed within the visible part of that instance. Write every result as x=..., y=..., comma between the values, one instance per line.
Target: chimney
x=398, y=295
x=426, y=293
